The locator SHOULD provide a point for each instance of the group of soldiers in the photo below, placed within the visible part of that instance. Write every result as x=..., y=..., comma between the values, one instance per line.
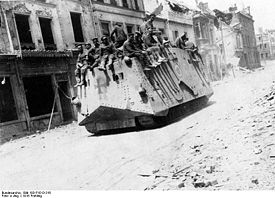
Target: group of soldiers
x=147, y=45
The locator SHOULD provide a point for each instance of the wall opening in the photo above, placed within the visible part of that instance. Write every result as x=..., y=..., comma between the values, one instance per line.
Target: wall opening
x=24, y=31
x=130, y=29
x=66, y=106
x=40, y=95
x=105, y=28
x=47, y=34
x=7, y=103
x=77, y=28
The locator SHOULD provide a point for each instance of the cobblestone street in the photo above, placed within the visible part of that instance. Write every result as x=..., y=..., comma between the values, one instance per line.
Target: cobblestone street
x=229, y=145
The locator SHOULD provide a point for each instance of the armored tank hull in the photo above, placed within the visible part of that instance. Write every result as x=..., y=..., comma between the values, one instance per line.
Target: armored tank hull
x=128, y=97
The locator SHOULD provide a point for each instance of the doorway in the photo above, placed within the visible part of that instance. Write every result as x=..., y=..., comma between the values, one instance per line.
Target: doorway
x=65, y=101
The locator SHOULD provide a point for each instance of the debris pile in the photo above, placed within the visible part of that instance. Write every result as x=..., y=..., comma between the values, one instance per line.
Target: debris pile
x=268, y=99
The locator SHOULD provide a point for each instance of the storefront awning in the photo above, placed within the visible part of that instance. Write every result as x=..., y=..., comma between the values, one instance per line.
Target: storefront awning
x=46, y=54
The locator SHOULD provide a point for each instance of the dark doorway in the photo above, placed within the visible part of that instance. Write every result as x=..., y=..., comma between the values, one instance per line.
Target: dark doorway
x=77, y=28
x=40, y=95
x=65, y=101
x=7, y=104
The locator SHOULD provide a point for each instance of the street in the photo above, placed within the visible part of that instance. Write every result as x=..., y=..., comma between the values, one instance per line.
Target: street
x=229, y=145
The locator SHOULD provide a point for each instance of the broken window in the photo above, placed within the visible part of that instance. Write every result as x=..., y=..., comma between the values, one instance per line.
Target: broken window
x=24, y=32
x=7, y=103
x=40, y=95
x=77, y=28
x=47, y=33
x=105, y=28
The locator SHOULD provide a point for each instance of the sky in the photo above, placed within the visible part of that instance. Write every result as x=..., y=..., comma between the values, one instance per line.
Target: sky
x=263, y=11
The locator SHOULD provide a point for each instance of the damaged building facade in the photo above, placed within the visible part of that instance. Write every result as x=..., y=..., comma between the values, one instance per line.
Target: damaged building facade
x=34, y=79
x=237, y=40
x=205, y=34
x=174, y=20
x=37, y=58
x=266, y=44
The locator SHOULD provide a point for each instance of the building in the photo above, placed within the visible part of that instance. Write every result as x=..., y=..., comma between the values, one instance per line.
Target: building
x=237, y=39
x=205, y=34
x=130, y=13
x=250, y=57
x=263, y=45
x=30, y=97
x=266, y=44
x=271, y=37
x=174, y=20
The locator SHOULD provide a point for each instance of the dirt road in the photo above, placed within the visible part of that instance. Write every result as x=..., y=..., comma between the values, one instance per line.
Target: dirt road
x=230, y=145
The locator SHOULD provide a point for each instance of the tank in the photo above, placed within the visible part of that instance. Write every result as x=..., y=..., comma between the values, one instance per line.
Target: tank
x=128, y=97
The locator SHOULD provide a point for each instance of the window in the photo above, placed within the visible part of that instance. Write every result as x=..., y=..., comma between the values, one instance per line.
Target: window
x=40, y=94
x=136, y=4
x=46, y=29
x=129, y=28
x=125, y=3
x=77, y=28
x=24, y=32
x=105, y=28
x=113, y=2
x=7, y=104
x=162, y=31
x=175, y=34
x=100, y=1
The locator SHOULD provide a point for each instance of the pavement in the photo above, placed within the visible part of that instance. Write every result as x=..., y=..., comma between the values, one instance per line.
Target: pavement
x=229, y=145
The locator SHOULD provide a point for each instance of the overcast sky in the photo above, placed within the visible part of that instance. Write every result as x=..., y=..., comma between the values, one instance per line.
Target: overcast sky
x=263, y=11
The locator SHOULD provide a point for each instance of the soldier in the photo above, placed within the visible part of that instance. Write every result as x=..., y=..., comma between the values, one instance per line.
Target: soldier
x=119, y=34
x=96, y=53
x=180, y=41
x=81, y=66
x=148, y=24
x=131, y=51
x=107, y=54
x=192, y=50
x=152, y=47
x=89, y=55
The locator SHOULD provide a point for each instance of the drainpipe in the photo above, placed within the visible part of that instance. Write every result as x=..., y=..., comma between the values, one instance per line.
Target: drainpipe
x=224, y=53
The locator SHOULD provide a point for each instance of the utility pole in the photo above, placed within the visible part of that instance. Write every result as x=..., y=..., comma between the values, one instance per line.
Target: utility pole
x=262, y=50
x=223, y=47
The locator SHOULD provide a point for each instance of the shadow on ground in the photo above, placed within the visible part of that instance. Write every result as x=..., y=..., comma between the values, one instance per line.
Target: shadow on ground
x=165, y=124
